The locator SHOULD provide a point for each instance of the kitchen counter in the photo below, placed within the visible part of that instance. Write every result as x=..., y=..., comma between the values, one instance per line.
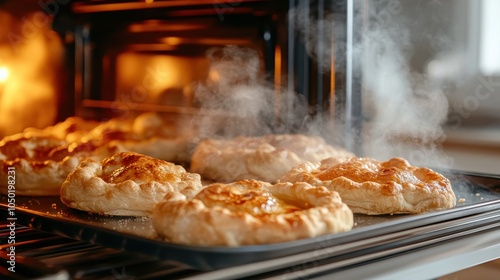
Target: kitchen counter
x=474, y=149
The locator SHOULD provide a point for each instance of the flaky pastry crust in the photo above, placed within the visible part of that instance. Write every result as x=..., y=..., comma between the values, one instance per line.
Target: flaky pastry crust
x=264, y=158
x=126, y=184
x=42, y=162
x=250, y=212
x=35, y=172
x=71, y=129
x=374, y=187
x=307, y=148
x=146, y=134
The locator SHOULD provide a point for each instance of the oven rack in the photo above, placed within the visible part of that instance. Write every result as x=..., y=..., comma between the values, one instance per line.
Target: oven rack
x=43, y=255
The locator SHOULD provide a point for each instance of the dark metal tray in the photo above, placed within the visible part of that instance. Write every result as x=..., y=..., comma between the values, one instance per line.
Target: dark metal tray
x=477, y=195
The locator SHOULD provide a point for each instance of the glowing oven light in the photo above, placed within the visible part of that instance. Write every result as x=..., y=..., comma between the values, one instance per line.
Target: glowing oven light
x=4, y=74
x=172, y=40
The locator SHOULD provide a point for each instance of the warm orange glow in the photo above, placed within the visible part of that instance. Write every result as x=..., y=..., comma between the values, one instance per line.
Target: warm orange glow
x=277, y=67
x=172, y=40
x=4, y=74
x=213, y=76
x=158, y=79
x=149, y=1
x=28, y=95
x=157, y=26
x=277, y=77
x=206, y=41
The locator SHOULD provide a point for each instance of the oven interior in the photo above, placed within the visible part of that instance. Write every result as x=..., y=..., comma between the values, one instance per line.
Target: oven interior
x=246, y=65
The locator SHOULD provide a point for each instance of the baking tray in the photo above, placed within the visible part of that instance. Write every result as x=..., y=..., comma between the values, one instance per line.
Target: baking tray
x=477, y=195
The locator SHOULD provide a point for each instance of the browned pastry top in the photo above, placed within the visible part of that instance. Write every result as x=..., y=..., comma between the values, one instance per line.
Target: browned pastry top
x=264, y=158
x=131, y=166
x=250, y=212
x=374, y=187
x=125, y=184
x=28, y=146
x=395, y=170
x=249, y=198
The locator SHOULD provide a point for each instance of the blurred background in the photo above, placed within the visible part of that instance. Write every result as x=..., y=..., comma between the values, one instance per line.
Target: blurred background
x=456, y=44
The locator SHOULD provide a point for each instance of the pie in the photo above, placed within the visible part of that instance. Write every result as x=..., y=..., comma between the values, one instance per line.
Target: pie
x=146, y=134
x=43, y=161
x=264, y=158
x=250, y=212
x=35, y=172
x=125, y=184
x=42, y=158
x=373, y=187
x=71, y=129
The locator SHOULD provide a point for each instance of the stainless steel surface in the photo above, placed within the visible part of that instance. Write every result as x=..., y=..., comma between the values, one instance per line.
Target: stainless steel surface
x=431, y=262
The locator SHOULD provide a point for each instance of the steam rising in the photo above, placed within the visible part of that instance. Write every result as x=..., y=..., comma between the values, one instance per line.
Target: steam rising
x=317, y=33
x=403, y=110
x=407, y=109
x=234, y=100
x=237, y=100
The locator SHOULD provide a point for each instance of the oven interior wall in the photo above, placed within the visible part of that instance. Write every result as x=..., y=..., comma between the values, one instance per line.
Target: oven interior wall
x=129, y=59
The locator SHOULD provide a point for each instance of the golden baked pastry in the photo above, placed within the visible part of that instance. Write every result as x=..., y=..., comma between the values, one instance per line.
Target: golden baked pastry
x=307, y=148
x=71, y=129
x=250, y=212
x=126, y=184
x=146, y=134
x=35, y=172
x=264, y=158
x=44, y=157
x=42, y=162
x=374, y=187
x=172, y=149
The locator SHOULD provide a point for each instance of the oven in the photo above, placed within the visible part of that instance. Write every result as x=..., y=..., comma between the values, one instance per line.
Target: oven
x=223, y=68
x=171, y=56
